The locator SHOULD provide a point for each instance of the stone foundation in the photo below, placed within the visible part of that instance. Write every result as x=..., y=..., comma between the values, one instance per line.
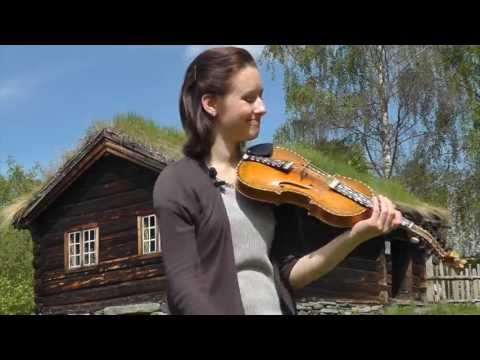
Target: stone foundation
x=304, y=307
x=315, y=306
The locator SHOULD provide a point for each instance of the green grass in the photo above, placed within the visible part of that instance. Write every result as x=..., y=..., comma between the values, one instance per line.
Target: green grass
x=387, y=187
x=144, y=131
x=437, y=309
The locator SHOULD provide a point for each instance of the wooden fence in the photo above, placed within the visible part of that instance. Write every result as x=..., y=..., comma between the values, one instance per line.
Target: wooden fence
x=444, y=284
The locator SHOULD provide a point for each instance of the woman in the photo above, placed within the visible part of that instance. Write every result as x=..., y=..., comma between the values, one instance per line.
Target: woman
x=224, y=253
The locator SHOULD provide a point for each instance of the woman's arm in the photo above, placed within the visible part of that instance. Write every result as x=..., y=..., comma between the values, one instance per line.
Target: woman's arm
x=312, y=266
x=187, y=286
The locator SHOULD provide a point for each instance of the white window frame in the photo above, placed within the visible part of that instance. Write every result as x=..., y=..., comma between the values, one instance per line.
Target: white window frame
x=86, y=257
x=145, y=234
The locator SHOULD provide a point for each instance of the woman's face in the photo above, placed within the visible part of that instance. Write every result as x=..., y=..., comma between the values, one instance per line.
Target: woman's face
x=239, y=112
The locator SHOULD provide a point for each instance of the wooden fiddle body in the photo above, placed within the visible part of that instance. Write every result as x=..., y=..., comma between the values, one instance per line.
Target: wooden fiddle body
x=277, y=175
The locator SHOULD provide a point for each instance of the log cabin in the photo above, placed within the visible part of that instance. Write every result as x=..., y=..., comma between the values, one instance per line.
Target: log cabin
x=96, y=241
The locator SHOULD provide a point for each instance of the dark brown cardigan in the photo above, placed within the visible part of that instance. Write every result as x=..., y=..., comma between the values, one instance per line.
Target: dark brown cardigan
x=197, y=246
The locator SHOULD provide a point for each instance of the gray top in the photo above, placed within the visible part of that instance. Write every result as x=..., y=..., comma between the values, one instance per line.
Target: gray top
x=252, y=226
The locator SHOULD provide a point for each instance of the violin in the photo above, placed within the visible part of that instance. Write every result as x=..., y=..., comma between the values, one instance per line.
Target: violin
x=277, y=175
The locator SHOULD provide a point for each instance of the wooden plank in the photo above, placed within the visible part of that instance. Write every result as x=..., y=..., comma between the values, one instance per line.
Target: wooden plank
x=455, y=287
x=475, y=285
x=442, y=282
x=455, y=277
x=139, y=235
x=468, y=295
x=435, y=283
x=382, y=279
x=429, y=296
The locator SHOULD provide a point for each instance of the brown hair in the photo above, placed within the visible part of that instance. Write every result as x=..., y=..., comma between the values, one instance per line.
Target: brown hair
x=209, y=73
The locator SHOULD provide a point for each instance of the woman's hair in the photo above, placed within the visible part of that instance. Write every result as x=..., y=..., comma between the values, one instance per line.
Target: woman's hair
x=209, y=73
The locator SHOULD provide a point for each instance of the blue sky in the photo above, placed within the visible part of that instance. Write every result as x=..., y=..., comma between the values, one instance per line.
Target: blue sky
x=49, y=95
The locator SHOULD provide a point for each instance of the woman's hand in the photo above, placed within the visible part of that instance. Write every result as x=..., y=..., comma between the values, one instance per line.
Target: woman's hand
x=383, y=220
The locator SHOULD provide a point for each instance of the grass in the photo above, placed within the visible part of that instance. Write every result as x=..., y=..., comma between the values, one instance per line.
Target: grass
x=436, y=309
x=390, y=188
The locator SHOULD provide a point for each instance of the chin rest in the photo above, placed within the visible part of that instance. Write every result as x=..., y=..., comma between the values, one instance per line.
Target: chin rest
x=264, y=150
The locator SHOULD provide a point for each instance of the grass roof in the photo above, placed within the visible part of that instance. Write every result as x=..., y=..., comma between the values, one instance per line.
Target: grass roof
x=169, y=141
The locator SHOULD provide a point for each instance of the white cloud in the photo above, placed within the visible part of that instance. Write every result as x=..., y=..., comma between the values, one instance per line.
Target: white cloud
x=194, y=50
x=15, y=87
x=23, y=85
x=7, y=91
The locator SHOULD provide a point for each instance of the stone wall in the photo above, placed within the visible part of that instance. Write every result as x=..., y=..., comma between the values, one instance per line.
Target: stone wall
x=308, y=306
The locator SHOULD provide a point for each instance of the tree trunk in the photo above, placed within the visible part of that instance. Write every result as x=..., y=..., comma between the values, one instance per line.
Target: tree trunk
x=385, y=125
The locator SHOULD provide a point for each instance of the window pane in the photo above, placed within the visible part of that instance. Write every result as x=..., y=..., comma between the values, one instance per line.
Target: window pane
x=152, y=246
x=145, y=234
x=152, y=233
x=85, y=247
x=92, y=246
x=145, y=247
x=85, y=259
x=94, y=260
x=77, y=248
x=77, y=260
x=92, y=235
x=152, y=220
x=77, y=237
x=145, y=221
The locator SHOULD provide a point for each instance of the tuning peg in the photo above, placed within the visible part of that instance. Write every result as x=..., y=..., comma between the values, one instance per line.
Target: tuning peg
x=414, y=240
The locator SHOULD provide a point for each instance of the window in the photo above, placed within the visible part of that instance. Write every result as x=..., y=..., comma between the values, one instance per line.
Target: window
x=82, y=248
x=149, y=237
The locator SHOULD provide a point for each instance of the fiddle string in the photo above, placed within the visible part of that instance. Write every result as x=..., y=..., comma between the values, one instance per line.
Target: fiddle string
x=364, y=200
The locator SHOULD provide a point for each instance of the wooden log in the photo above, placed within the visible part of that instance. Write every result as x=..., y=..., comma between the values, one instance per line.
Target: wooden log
x=106, y=292
x=102, y=279
x=95, y=190
x=363, y=295
x=346, y=289
x=57, y=225
x=347, y=275
x=359, y=263
x=105, y=267
x=99, y=205
x=93, y=306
